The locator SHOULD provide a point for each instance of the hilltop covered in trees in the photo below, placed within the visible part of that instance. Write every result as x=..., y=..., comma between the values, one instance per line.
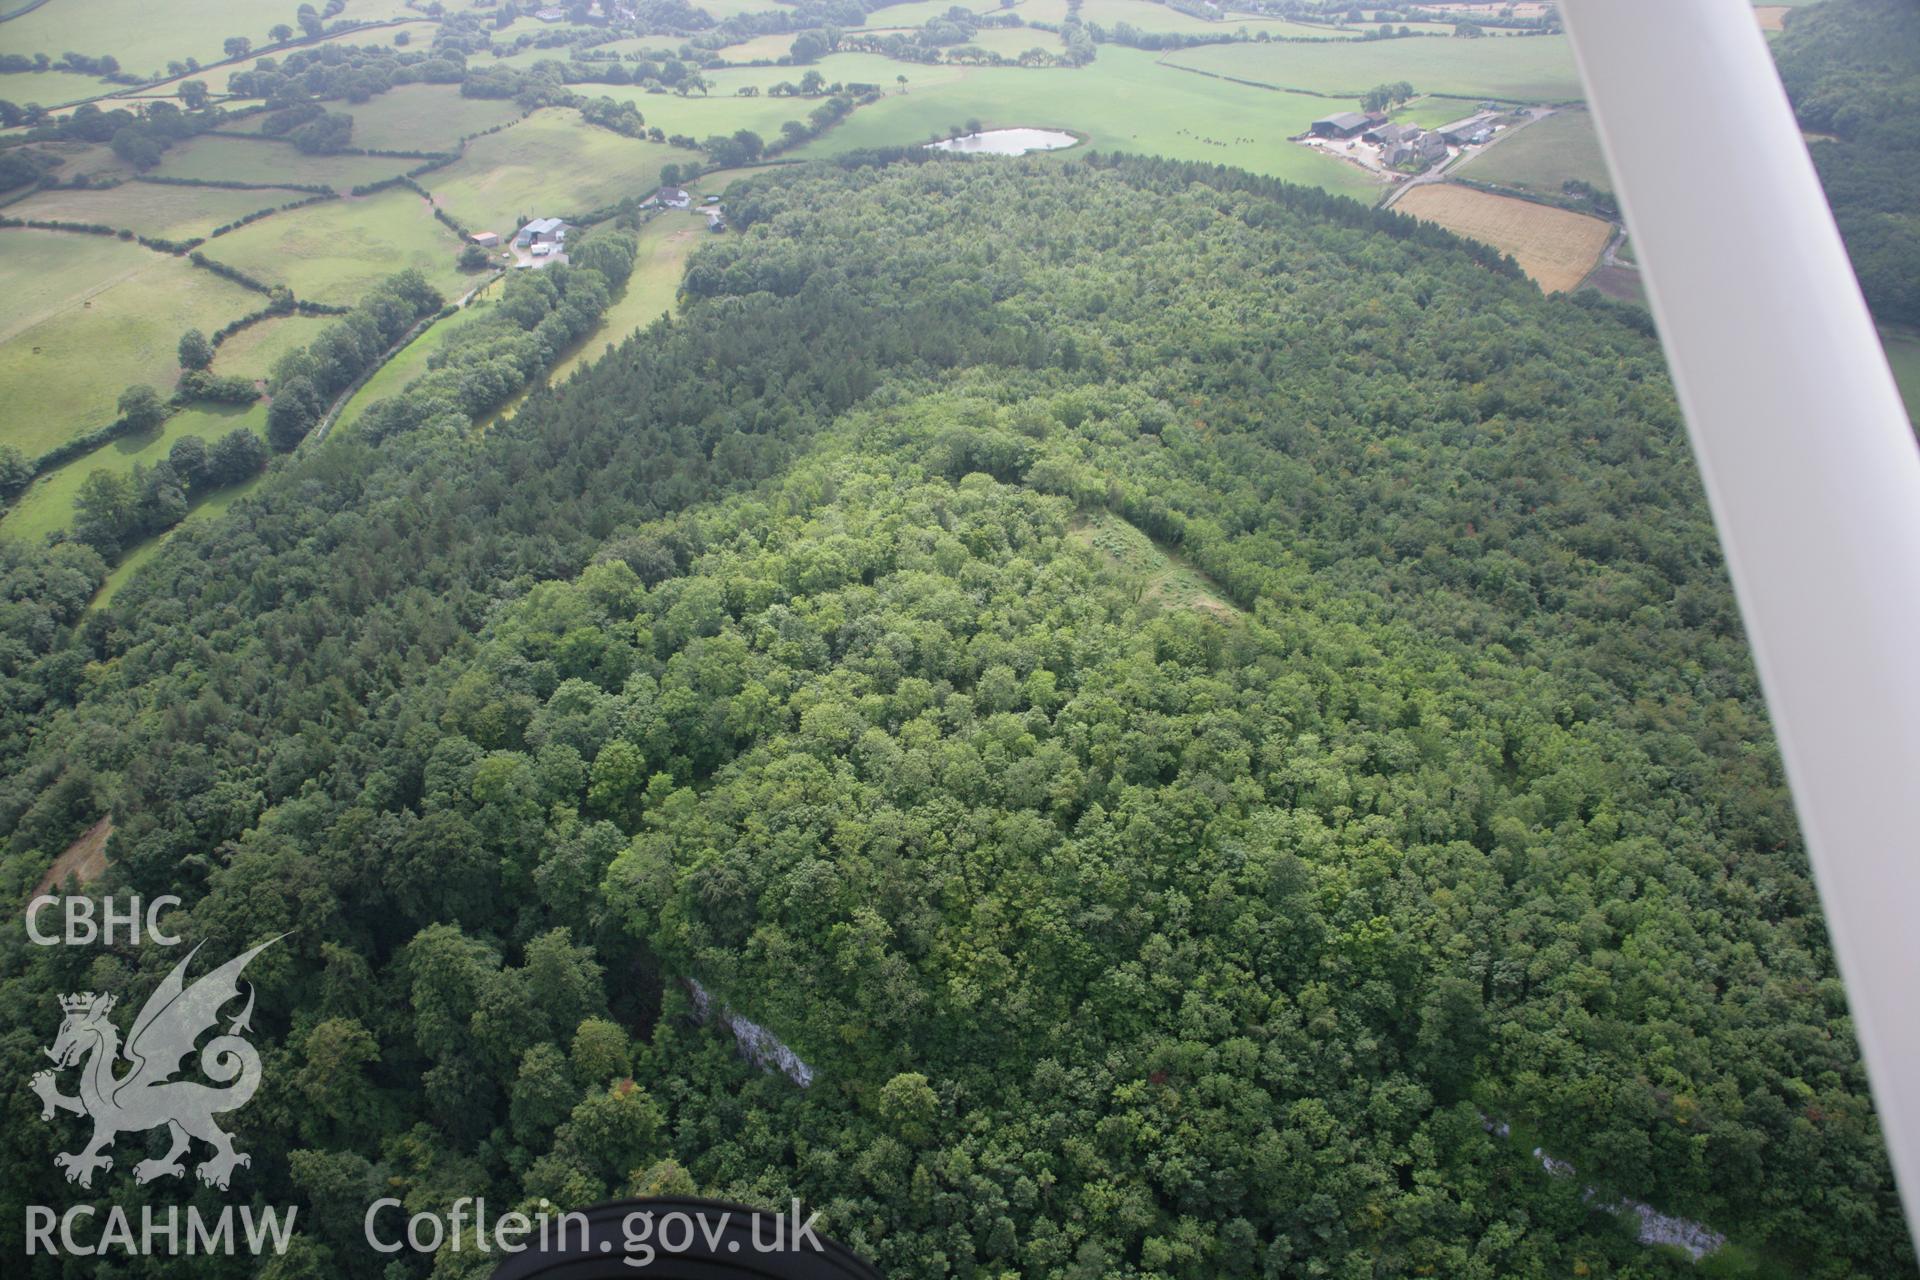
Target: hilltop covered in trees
x=819, y=646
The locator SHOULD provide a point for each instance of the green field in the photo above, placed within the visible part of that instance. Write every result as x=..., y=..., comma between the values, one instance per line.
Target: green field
x=1544, y=156
x=721, y=111
x=918, y=13
x=1011, y=42
x=50, y=88
x=1148, y=16
x=333, y=252
x=1144, y=14
x=145, y=36
x=837, y=68
x=1507, y=68
x=96, y=160
x=524, y=58
x=1122, y=102
x=47, y=504
x=148, y=209
x=768, y=48
x=423, y=117
x=88, y=316
x=252, y=351
x=552, y=163
x=1903, y=353
x=721, y=10
x=243, y=160
x=1432, y=112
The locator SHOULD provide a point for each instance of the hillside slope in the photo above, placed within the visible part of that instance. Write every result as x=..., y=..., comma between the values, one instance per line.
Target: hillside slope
x=1125, y=930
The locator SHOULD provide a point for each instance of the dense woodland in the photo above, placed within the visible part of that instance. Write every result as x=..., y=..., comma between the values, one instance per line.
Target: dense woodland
x=817, y=646
x=1852, y=68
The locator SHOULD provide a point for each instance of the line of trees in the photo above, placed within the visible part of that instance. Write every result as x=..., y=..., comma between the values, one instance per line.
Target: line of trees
x=304, y=382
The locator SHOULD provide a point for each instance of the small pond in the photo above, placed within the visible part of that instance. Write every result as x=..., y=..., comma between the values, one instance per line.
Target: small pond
x=1006, y=142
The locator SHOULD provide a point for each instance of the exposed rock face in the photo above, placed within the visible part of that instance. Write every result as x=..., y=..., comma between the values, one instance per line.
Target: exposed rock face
x=1658, y=1228
x=757, y=1044
x=1655, y=1227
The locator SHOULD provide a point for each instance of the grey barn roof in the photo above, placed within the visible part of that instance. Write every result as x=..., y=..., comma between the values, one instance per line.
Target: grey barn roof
x=1344, y=120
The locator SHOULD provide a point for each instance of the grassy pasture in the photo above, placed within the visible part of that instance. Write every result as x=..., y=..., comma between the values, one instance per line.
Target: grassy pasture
x=724, y=9
x=551, y=163
x=252, y=351
x=521, y=59
x=88, y=316
x=172, y=213
x=1555, y=247
x=838, y=68
x=47, y=504
x=768, y=48
x=917, y=13
x=51, y=88
x=145, y=36
x=1011, y=42
x=95, y=160
x=334, y=252
x=423, y=117
x=1506, y=68
x=1148, y=16
x=1543, y=156
x=645, y=44
x=241, y=160
x=722, y=111
x=1432, y=112
x=1122, y=102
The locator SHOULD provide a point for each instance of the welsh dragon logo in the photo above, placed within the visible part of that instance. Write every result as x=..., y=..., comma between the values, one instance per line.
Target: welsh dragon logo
x=147, y=1096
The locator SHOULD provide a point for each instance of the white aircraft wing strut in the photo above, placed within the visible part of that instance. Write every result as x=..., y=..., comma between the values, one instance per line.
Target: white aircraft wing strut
x=1810, y=466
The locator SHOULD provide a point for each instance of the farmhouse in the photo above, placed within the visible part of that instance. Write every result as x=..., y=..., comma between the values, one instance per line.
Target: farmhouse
x=551, y=15
x=674, y=197
x=541, y=231
x=1388, y=134
x=485, y=239
x=1343, y=125
x=1420, y=147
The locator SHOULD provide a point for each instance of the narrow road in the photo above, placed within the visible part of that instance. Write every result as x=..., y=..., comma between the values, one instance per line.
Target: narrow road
x=340, y=402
